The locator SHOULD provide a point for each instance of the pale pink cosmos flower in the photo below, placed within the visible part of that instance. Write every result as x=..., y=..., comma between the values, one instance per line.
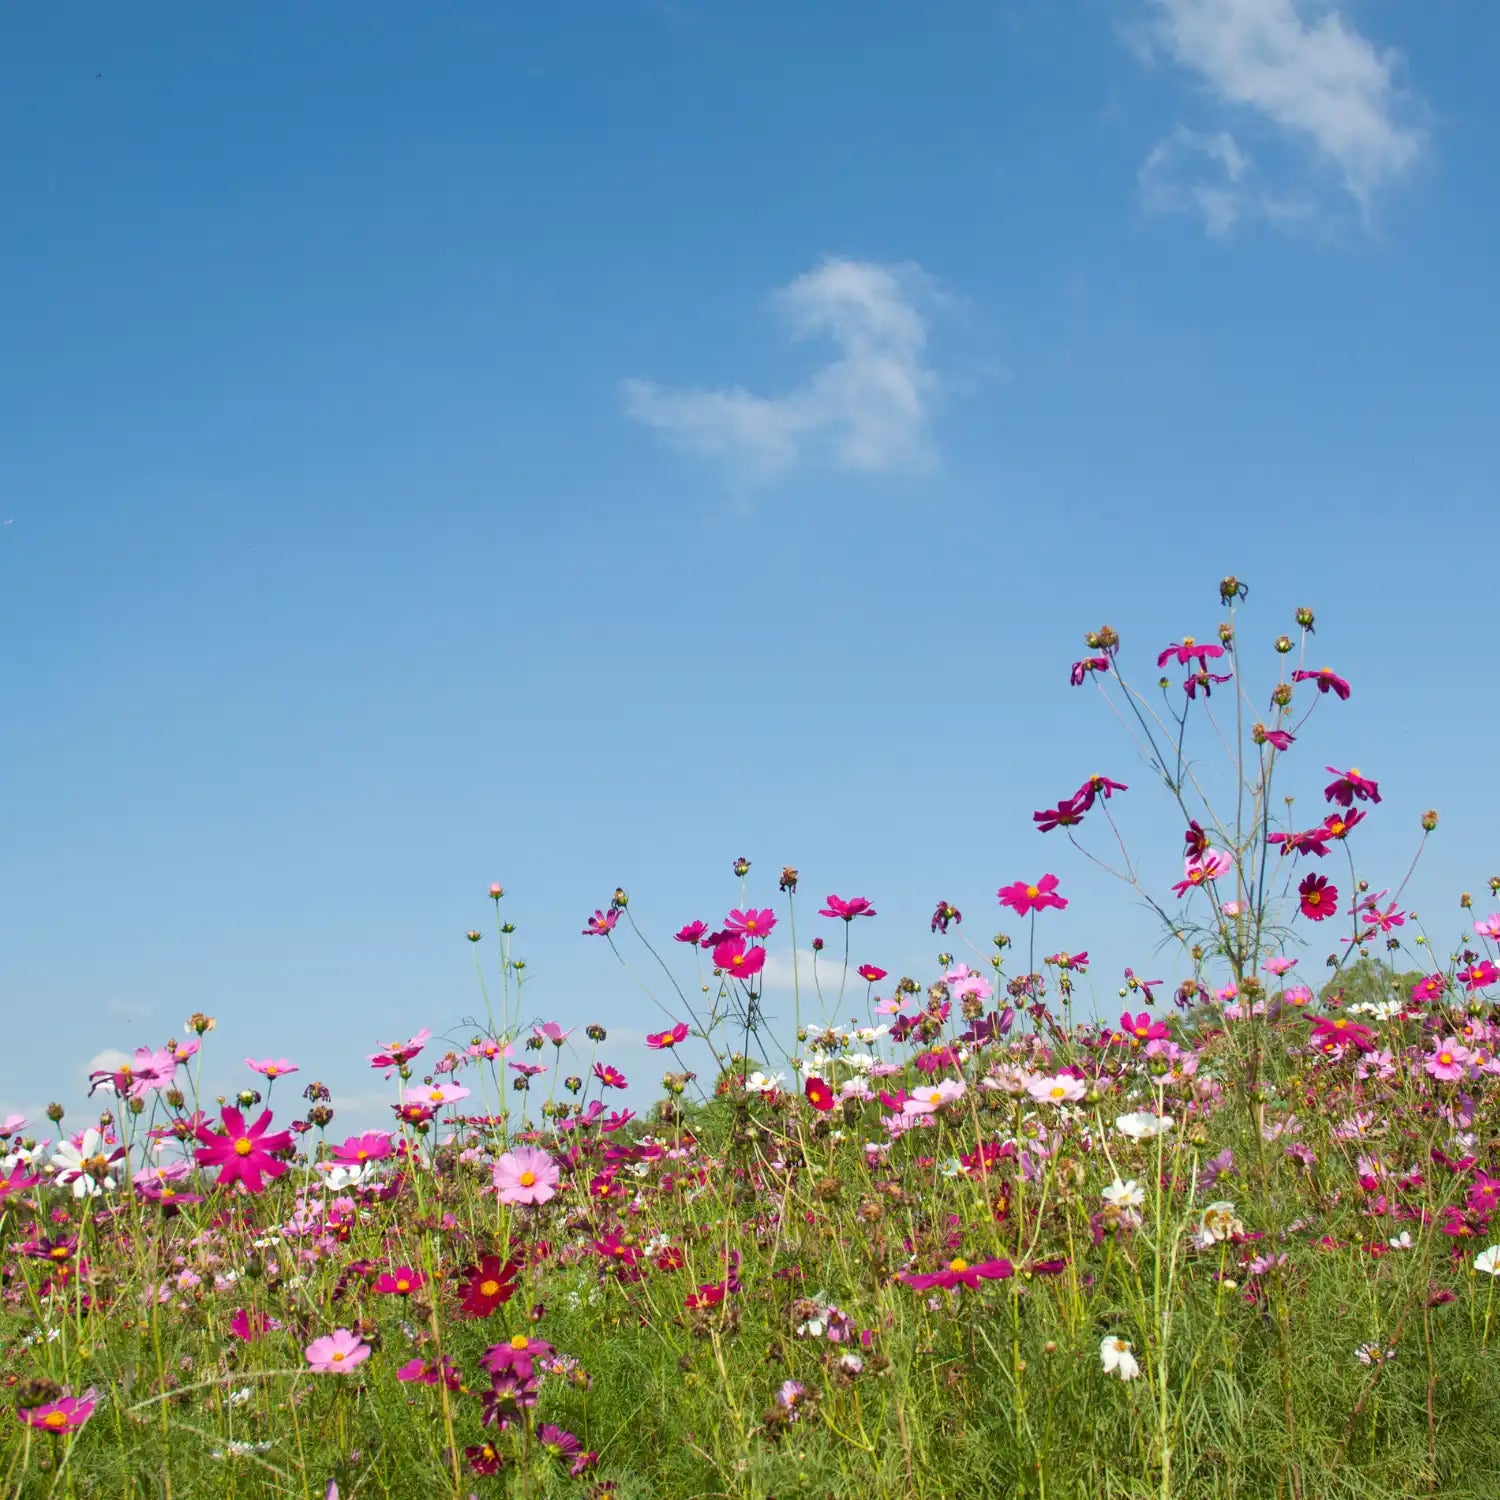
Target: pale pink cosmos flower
x=1063, y=1089
x=1488, y=927
x=930, y=1096
x=270, y=1067
x=436, y=1095
x=1448, y=1061
x=337, y=1353
x=526, y=1175
x=1279, y=965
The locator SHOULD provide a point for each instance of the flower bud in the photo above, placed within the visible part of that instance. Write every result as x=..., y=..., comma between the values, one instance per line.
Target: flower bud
x=1226, y=635
x=55, y=1113
x=817, y=945
x=320, y=1115
x=788, y=880
x=1283, y=644
x=1091, y=640
x=742, y=867
x=1429, y=821
x=595, y=1032
x=1281, y=694
x=136, y=1105
x=472, y=936
x=572, y=1083
x=496, y=892
x=1466, y=901
x=1230, y=589
x=620, y=900
x=1305, y=619
x=1109, y=639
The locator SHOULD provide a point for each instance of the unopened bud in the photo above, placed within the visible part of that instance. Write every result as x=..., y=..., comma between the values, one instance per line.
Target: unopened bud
x=496, y=892
x=1429, y=821
x=1283, y=644
x=472, y=935
x=742, y=867
x=1305, y=619
x=620, y=900
x=1281, y=694
x=788, y=880
x=55, y=1112
x=1226, y=635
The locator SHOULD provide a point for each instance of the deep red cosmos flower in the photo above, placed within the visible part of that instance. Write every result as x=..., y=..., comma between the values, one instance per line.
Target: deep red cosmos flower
x=488, y=1285
x=1188, y=650
x=243, y=1154
x=737, y=957
x=1081, y=669
x=659, y=1041
x=819, y=1095
x=1349, y=785
x=1327, y=679
x=1023, y=898
x=856, y=906
x=1319, y=898
x=958, y=1272
x=1195, y=839
x=1067, y=814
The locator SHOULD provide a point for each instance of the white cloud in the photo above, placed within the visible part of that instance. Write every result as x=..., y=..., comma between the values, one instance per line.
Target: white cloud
x=1297, y=70
x=868, y=409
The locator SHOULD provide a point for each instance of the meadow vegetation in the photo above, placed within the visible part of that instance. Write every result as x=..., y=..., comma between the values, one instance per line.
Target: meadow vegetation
x=940, y=1237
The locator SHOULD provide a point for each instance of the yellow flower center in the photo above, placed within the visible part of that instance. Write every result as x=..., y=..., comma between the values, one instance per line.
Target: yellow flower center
x=528, y=1179
x=55, y=1419
x=244, y=1146
x=272, y=1071
x=958, y=1263
x=402, y=1284
x=520, y=1341
x=337, y=1357
x=1032, y=892
x=488, y=1288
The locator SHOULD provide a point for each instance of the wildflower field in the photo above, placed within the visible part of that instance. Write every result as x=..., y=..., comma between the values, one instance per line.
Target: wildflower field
x=943, y=1236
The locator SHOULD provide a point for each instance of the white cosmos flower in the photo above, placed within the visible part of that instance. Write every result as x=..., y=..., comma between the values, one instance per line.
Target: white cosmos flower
x=88, y=1167
x=1127, y=1194
x=1143, y=1125
x=1117, y=1358
x=1488, y=1261
x=758, y=1083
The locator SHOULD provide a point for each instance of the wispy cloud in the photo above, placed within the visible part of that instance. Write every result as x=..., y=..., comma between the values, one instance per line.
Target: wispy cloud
x=1298, y=75
x=868, y=409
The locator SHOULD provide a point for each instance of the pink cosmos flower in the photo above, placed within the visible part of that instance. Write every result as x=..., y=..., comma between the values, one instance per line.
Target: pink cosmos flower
x=946, y=912
x=1488, y=927
x=146, y=1070
x=1143, y=1028
x=526, y=1175
x=929, y=1097
x=752, y=923
x=1479, y=976
x=871, y=973
x=737, y=957
x=1278, y=965
x=1318, y=898
x=399, y=1281
x=1200, y=869
x=1430, y=988
x=373, y=1145
x=1338, y=824
x=1278, y=739
x=550, y=1031
x=856, y=906
x=66, y=1414
x=398, y=1054
x=1062, y=1089
x=611, y=1078
x=659, y=1041
x=243, y=1154
x=691, y=933
x=1327, y=679
x=1023, y=898
x=337, y=1353
x=436, y=1095
x=601, y=924
x=270, y=1067
x=488, y=1049
x=1448, y=1061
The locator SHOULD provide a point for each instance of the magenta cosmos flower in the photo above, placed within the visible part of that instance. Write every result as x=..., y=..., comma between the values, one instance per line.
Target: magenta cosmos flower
x=856, y=906
x=526, y=1175
x=958, y=1272
x=1081, y=669
x=1349, y=785
x=691, y=933
x=66, y=1414
x=337, y=1353
x=1327, y=679
x=1188, y=650
x=243, y=1153
x=1023, y=898
x=398, y=1054
x=737, y=957
x=602, y=923
x=659, y=1041
x=1479, y=976
x=1067, y=814
x=373, y=1145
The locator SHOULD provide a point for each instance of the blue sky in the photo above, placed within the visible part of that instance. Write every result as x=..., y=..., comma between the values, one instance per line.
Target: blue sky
x=576, y=445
